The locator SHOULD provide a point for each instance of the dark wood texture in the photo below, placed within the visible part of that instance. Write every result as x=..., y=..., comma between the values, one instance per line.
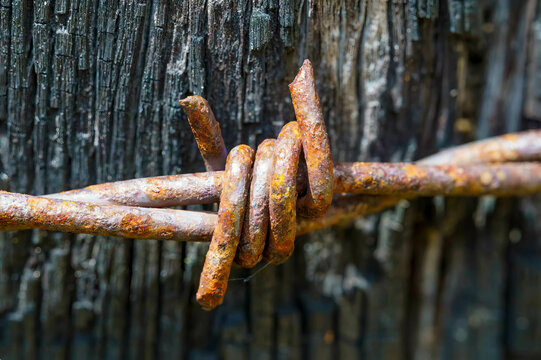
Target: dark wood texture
x=89, y=91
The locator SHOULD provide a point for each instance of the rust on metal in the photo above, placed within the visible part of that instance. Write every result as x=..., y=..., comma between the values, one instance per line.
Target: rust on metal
x=357, y=178
x=205, y=188
x=521, y=146
x=410, y=180
x=75, y=215
x=206, y=131
x=283, y=195
x=221, y=253
x=160, y=191
x=23, y=212
x=19, y=212
x=256, y=219
x=257, y=213
x=315, y=143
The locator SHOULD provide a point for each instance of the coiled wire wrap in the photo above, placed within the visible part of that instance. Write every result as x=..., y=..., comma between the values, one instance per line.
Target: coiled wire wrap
x=259, y=200
x=270, y=219
x=273, y=193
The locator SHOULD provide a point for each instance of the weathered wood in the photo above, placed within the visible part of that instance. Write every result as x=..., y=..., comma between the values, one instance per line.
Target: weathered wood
x=89, y=93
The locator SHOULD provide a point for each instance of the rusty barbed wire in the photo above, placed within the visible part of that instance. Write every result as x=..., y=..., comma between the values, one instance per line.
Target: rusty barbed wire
x=21, y=212
x=315, y=143
x=205, y=188
x=223, y=246
x=283, y=195
x=24, y=212
x=206, y=131
x=410, y=180
x=257, y=215
x=522, y=146
x=256, y=221
x=358, y=178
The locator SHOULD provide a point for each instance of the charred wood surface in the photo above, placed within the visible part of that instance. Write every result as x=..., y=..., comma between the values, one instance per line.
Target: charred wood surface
x=89, y=93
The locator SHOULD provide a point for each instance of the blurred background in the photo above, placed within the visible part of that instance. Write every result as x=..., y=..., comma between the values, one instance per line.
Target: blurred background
x=89, y=93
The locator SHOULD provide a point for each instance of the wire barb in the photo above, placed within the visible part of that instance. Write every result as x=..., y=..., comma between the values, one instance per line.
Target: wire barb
x=257, y=216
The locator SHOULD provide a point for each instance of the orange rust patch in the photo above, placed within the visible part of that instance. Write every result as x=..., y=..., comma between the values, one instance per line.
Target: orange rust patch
x=283, y=195
x=213, y=281
x=486, y=178
x=206, y=131
x=315, y=142
x=133, y=224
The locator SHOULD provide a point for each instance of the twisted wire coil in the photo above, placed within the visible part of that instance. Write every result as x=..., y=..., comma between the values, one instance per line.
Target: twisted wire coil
x=260, y=198
x=271, y=193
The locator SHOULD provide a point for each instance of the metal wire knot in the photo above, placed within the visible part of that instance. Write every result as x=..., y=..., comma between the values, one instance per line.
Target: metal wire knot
x=260, y=194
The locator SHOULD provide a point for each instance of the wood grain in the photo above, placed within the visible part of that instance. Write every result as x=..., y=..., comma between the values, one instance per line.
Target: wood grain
x=89, y=93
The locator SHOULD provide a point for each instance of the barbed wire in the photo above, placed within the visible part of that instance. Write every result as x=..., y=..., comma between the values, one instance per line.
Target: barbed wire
x=260, y=193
